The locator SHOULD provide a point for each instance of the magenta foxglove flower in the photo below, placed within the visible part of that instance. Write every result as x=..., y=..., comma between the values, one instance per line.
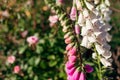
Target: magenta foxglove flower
x=69, y=46
x=88, y=68
x=53, y=19
x=76, y=75
x=77, y=29
x=72, y=58
x=69, y=65
x=73, y=13
x=32, y=40
x=68, y=40
x=72, y=51
x=17, y=69
x=82, y=76
x=11, y=59
x=70, y=71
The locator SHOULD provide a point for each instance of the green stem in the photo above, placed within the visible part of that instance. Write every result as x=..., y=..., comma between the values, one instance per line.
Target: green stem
x=99, y=66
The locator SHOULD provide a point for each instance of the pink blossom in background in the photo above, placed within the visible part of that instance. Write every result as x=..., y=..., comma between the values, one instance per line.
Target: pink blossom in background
x=11, y=59
x=53, y=19
x=88, y=68
x=24, y=33
x=17, y=69
x=73, y=13
x=60, y=1
x=32, y=40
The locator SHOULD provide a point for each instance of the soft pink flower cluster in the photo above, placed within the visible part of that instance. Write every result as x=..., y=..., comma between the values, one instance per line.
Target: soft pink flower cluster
x=11, y=59
x=53, y=19
x=32, y=40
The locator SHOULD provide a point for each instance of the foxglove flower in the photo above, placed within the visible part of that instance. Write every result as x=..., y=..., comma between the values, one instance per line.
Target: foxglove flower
x=77, y=29
x=73, y=13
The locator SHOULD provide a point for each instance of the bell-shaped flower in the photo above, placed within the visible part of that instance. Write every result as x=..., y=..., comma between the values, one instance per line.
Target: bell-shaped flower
x=107, y=54
x=81, y=20
x=76, y=75
x=77, y=29
x=99, y=49
x=69, y=65
x=72, y=58
x=105, y=62
x=82, y=76
x=73, y=13
x=85, y=13
x=85, y=42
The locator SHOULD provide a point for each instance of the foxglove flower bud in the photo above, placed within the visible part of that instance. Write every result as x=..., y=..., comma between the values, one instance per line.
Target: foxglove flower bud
x=69, y=46
x=88, y=68
x=67, y=35
x=77, y=29
x=69, y=39
x=72, y=51
x=73, y=13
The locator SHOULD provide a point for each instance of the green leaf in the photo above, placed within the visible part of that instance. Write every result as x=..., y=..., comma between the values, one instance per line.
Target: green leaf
x=22, y=49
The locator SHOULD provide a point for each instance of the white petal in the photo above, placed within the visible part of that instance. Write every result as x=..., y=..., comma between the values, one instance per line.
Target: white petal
x=85, y=42
x=106, y=46
x=85, y=13
x=81, y=19
x=94, y=56
x=99, y=49
x=105, y=62
x=83, y=31
x=107, y=2
x=89, y=6
x=91, y=39
x=108, y=37
x=89, y=24
x=107, y=54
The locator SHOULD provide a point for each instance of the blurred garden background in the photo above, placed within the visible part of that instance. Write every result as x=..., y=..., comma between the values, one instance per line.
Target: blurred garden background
x=20, y=19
